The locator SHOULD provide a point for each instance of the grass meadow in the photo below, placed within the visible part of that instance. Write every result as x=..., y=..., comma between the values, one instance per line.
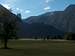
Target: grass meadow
x=39, y=48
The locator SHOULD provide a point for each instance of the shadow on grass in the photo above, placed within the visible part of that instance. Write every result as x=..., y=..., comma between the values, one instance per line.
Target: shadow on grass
x=12, y=49
x=6, y=48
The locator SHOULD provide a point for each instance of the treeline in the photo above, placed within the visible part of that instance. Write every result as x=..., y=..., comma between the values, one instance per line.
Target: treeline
x=44, y=37
x=66, y=36
x=69, y=36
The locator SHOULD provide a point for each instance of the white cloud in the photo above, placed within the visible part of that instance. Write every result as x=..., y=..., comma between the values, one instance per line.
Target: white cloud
x=8, y=3
x=27, y=11
x=47, y=8
x=6, y=6
x=17, y=9
x=47, y=1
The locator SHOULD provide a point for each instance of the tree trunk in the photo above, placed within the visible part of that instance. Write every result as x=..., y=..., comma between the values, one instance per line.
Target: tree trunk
x=5, y=42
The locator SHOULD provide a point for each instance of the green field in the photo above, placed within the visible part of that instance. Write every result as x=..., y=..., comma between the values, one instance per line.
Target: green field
x=39, y=48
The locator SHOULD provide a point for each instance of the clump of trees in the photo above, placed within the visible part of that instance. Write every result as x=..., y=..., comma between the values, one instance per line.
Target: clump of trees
x=47, y=37
x=8, y=26
x=69, y=36
x=8, y=32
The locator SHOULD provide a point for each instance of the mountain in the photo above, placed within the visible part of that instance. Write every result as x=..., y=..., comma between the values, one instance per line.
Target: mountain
x=69, y=16
x=50, y=18
x=7, y=16
x=61, y=20
x=50, y=23
x=37, y=29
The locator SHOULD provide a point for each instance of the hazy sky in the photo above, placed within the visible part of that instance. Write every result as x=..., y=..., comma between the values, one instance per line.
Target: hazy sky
x=35, y=7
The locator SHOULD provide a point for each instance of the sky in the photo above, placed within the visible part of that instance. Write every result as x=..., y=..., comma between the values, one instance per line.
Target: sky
x=29, y=8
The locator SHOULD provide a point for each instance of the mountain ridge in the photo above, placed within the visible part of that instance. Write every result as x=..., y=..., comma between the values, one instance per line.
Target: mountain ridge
x=57, y=19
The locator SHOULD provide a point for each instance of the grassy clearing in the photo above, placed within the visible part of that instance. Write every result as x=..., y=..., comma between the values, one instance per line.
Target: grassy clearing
x=39, y=48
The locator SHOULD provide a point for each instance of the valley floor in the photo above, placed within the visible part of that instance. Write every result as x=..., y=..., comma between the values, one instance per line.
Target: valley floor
x=39, y=48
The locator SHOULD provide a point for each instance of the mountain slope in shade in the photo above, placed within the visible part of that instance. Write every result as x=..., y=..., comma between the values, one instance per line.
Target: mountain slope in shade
x=37, y=29
x=51, y=18
x=62, y=20
x=50, y=23
x=8, y=16
x=69, y=16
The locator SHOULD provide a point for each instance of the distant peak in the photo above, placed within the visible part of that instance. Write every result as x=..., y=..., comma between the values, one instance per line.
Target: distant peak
x=1, y=5
x=71, y=7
